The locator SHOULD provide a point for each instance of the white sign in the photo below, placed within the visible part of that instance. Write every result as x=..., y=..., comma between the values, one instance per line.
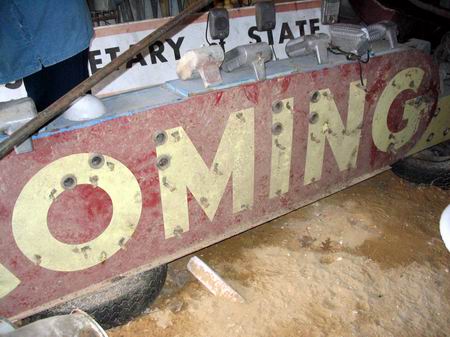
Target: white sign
x=157, y=65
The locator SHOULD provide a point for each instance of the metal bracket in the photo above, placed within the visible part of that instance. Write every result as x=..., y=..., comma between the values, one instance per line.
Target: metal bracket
x=13, y=115
x=259, y=68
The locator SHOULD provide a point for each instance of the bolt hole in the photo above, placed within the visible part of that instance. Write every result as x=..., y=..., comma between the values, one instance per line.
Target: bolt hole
x=446, y=131
x=163, y=162
x=277, y=106
x=69, y=182
x=313, y=117
x=315, y=97
x=277, y=128
x=178, y=231
x=160, y=137
x=96, y=161
x=430, y=137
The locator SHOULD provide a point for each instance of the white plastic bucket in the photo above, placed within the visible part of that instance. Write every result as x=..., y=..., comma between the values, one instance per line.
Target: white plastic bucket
x=444, y=227
x=85, y=108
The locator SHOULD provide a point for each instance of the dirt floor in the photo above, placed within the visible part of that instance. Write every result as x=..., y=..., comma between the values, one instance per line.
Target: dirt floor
x=367, y=261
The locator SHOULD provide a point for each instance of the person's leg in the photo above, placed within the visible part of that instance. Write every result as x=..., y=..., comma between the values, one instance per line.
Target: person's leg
x=50, y=83
x=35, y=86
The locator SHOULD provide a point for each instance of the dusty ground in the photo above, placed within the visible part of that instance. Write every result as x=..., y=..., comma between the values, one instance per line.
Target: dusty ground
x=367, y=261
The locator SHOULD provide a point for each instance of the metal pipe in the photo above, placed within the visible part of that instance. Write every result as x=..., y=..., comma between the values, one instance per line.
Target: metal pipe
x=58, y=107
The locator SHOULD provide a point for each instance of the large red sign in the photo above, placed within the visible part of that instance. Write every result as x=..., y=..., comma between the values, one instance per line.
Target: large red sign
x=136, y=191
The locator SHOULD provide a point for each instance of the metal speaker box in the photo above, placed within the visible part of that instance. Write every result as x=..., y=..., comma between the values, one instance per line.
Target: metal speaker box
x=219, y=23
x=265, y=15
x=330, y=11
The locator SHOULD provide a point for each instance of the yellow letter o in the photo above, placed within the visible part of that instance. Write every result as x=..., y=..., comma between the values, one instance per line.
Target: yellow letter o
x=29, y=220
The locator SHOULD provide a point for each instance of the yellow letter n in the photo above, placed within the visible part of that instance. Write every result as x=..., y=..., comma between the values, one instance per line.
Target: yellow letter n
x=325, y=124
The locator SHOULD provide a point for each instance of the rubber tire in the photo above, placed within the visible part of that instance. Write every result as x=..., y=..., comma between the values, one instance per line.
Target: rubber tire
x=125, y=299
x=429, y=167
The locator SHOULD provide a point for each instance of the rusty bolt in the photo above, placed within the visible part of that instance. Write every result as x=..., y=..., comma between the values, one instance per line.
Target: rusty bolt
x=315, y=97
x=313, y=117
x=430, y=137
x=277, y=106
x=177, y=232
x=68, y=182
x=419, y=100
x=436, y=112
x=160, y=137
x=163, y=162
x=391, y=148
x=277, y=128
x=96, y=161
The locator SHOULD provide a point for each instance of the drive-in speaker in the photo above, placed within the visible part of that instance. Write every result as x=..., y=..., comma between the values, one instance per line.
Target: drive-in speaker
x=219, y=23
x=265, y=15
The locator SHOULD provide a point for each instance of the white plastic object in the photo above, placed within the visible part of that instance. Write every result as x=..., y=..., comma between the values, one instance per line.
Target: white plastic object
x=444, y=227
x=85, y=108
x=77, y=324
x=212, y=281
x=203, y=61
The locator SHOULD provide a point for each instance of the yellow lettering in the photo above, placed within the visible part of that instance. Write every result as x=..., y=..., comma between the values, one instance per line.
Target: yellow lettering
x=29, y=221
x=438, y=130
x=184, y=168
x=8, y=281
x=383, y=138
x=325, y=123
x=282, y=128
